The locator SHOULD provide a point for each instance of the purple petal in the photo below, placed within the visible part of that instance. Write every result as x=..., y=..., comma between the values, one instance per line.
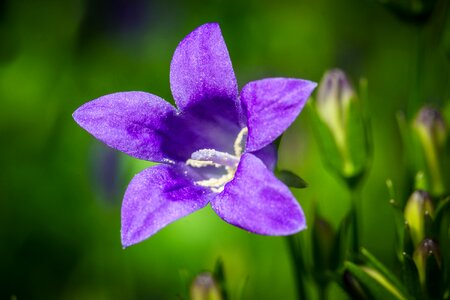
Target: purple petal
x=257, y=201
x=201, y=69
x=271, y=106
x=156, y=197
x=132, y=122
x=268, y=155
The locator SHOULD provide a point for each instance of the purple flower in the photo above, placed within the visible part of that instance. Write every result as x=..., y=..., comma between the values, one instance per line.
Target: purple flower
x=215, y=147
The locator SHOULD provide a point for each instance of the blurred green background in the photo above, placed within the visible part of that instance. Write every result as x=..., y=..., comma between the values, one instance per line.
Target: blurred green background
x=61, y=190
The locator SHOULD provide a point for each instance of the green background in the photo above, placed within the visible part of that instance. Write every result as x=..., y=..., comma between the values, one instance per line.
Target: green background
x=61, y=190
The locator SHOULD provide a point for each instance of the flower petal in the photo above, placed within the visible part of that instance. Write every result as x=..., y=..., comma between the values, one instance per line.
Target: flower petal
x=132, y=122
x=268, y=155
x=156, y=197
x=201, y=68
x=271, y=106
x=257, y=201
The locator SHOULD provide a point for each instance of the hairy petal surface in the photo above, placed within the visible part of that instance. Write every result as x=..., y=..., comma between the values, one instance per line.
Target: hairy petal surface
x=132, y=122
x=271, y=106
x=157, y=197
x=257, y=201
x=201, y=69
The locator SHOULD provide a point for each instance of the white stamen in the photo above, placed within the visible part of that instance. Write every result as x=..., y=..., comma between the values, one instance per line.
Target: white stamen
x=211, y=157
x=240, y=142
x=201, y=163
x=217, y=157
x=217, y=184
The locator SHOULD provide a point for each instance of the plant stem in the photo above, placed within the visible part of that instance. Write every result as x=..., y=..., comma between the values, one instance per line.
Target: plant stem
x=323, y=292
x=356, y=224
x=299, y=266
x=416, y=90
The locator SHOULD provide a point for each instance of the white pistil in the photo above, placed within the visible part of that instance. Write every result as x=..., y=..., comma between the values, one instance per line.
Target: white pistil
x=211, y=157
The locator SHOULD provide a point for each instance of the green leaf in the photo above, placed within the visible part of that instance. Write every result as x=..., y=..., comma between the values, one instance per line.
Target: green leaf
x=433, y=278
x=241, y=289
x=377, y=265
x=219, y=276
x=430, y=229
x=411, y=277
x=357, y=141
x=341, y=244
x=442, y=207
x=291, y=179
x=377, y=286
x=323, y=239
x=390, y=187
x=398, y=218
x=364, y=92
x=408, y=245
x=352, y=286
x=408, y=142
x=299, y=264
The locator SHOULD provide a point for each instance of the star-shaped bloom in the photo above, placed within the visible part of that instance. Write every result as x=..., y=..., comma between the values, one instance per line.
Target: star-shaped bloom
x=214, y=147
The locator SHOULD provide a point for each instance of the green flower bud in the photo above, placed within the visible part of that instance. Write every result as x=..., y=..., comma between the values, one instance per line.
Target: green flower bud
x=418, y=206
x=432, y=134
x=333, y=100
x=340, y=126
x=204, y=287
x=428, y=261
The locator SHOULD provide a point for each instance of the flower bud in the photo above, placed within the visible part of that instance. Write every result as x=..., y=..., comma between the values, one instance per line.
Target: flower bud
x=341, y=128
x=417, y=208
x=428, y=261
x=204, y=287
x=333, y=100
x=432, y=134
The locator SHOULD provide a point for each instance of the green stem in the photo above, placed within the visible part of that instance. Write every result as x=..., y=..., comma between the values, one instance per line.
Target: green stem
x=299, y=266
x=356, y=224
x=416, y=90
x=323, y=292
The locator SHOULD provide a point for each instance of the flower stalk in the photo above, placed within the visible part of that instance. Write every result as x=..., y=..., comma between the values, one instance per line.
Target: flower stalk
x=299, y=265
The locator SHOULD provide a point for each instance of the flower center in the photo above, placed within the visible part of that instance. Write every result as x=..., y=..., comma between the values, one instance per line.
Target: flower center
x=211, y=157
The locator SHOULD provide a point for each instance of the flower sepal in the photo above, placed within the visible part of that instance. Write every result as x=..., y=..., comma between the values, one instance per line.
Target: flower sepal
x=291, y=179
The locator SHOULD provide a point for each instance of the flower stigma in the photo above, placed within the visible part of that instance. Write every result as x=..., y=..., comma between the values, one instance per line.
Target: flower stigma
x=211, y=157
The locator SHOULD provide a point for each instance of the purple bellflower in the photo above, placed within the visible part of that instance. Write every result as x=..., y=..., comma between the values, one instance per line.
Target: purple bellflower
x=214, y=147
